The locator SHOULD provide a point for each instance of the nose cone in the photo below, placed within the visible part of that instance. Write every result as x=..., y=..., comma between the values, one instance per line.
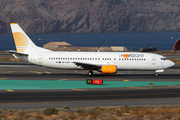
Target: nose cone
x=171, y=63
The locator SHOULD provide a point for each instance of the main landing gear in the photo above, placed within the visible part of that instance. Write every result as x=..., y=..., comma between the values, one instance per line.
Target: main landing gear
x=90, y=73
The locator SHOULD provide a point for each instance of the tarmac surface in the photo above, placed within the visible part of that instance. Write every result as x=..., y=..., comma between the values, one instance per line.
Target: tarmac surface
x=123, y=88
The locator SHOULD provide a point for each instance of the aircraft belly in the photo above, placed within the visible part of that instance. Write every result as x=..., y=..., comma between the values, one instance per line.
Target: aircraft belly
x=68, y=66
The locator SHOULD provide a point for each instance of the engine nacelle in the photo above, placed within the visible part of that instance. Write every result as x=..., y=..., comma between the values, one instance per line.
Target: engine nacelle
x=108, y=69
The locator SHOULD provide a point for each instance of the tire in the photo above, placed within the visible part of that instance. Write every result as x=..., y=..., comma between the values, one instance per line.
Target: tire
x=156, y=74
x=90, y=73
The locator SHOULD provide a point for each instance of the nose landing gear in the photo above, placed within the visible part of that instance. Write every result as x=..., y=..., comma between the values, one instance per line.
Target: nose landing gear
x=90, y=73
x=156, y=74
x=158, y=71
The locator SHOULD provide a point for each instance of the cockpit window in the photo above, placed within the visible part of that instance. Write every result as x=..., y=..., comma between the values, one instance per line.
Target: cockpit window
x=164, y=58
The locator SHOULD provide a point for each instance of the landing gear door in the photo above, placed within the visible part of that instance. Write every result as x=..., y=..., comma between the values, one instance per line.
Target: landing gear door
x=153, y=60
x=40, y=59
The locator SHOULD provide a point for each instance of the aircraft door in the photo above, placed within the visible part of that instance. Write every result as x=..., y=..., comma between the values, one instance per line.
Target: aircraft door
x=153, y=60
x=40, y=59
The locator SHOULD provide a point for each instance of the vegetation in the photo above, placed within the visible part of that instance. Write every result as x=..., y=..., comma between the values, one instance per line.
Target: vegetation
x=8, y=59
x=97, y=113
x=66, y=108
x=175, y=60
x=50, y=111
x=39, y=118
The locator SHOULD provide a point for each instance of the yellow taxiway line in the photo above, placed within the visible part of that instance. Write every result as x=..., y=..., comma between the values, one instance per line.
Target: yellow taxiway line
x=10, y=90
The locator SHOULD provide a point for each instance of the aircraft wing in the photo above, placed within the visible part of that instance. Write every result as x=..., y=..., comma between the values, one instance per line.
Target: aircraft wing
x=88, y=66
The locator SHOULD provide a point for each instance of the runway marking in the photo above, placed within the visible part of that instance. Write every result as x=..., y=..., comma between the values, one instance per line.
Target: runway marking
x=79, y=89
x=126, y=80
x=139, y=87
x=10, y=90
x=62, y=79
x=2, y=78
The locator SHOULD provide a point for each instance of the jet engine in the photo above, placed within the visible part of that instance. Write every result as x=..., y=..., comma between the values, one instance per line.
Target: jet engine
x=108, y=69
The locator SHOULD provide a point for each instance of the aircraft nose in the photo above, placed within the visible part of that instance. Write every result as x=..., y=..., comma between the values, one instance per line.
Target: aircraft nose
x=171, y=63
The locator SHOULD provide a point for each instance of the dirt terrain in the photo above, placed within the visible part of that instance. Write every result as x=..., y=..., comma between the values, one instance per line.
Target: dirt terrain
x=95, y=113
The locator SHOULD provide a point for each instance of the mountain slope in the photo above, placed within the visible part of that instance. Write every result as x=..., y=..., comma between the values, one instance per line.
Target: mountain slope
x=90, y=16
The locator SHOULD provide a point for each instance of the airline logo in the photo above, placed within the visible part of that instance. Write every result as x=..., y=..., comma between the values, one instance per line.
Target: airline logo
x=21, y=41
x=58, y=61
x=126, y=56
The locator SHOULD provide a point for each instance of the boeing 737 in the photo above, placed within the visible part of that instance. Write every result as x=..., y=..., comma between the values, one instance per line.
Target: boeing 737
x=104, y=62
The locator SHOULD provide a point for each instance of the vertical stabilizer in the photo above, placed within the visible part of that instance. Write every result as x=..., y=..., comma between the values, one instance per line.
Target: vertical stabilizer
x=23, y=43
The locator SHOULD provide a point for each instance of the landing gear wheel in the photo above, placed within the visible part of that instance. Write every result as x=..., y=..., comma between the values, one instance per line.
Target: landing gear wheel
x=156, y=74
x=90, y=73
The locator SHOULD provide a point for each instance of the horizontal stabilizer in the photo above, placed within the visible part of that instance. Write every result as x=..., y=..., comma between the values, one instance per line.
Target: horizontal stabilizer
x=18, y=53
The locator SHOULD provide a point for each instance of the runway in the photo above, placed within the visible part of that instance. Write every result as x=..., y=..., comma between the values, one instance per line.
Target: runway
x=168, y=94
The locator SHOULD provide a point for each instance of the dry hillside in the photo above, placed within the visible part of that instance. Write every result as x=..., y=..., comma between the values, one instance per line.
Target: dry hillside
x=90, y=16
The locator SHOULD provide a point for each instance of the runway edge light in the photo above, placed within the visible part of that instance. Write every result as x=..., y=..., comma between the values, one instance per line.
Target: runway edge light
x=94, y=81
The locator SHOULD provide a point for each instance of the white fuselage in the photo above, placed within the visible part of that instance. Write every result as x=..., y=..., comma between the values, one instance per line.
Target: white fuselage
x=104, y=62
x=123, y=60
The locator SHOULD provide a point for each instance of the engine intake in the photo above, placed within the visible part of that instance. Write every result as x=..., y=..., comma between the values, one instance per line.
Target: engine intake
x=108, y=69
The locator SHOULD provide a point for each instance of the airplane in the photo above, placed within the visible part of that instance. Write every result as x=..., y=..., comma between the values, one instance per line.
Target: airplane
x=104, y=62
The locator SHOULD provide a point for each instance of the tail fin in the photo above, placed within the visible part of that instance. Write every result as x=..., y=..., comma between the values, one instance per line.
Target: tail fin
x=23, y=43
